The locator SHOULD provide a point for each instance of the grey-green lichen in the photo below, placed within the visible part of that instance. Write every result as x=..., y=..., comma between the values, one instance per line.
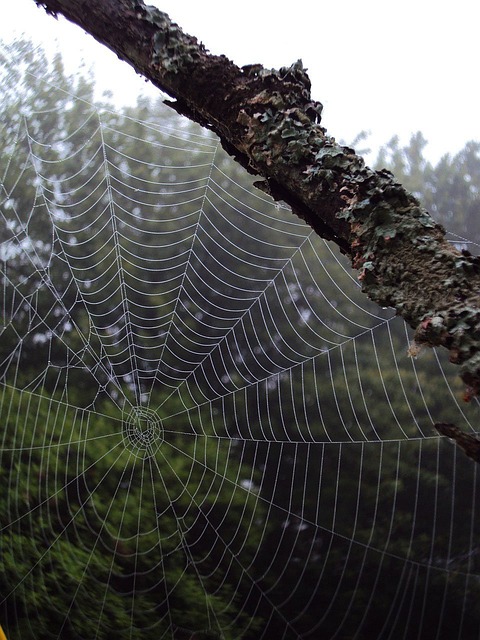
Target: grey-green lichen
x=172, y=49
x=275, y=126
x=283, y=133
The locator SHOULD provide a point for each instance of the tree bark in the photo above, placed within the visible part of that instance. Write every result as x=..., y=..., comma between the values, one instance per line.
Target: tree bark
x=268, y=121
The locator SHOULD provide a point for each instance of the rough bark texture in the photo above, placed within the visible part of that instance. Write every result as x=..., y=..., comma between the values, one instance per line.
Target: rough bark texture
x=468, y=443
x=267, y=120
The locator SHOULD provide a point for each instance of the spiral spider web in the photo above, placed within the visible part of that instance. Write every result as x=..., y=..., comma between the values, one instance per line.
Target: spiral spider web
x=207, y=430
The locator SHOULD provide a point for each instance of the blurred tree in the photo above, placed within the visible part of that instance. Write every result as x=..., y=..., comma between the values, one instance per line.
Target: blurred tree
x=448, y=189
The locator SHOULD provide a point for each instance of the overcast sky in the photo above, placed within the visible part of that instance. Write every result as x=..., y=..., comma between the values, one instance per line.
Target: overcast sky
x=384, y=66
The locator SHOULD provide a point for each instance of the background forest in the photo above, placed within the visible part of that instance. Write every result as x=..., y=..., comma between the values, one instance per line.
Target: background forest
x=206, y=431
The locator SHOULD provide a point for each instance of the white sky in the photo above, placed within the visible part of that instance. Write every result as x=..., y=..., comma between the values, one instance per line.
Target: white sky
x=388, y=67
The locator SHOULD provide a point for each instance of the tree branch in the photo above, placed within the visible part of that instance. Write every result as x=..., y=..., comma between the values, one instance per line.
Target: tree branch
x=467, y=442
x=268, y=121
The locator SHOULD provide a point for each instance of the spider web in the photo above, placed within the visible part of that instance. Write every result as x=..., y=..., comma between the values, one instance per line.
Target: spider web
x=207, y=431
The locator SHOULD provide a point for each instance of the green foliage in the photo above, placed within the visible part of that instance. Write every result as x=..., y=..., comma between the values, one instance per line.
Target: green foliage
x=74, y=538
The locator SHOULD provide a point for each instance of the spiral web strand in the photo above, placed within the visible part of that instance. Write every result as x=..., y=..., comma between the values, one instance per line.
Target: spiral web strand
x=207, y=431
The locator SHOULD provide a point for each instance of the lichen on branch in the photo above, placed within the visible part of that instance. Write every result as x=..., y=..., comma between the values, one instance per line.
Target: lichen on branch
x=268, y=121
